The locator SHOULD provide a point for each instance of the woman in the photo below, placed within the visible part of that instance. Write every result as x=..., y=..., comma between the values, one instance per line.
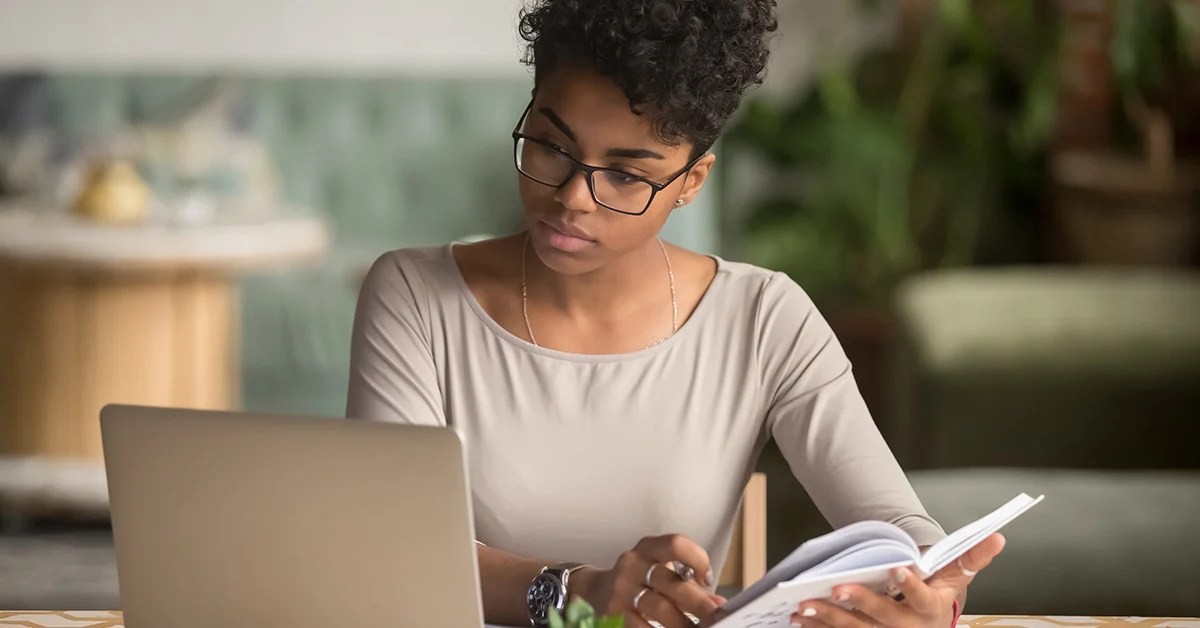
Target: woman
x=615, y=391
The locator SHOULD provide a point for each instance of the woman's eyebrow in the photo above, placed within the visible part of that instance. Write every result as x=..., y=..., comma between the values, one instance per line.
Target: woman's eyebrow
x=634, y=153
x=626, y=153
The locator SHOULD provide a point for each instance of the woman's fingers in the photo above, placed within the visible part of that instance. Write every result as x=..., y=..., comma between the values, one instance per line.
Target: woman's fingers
x=921, y=600
x=881, y=609
x=917, y=595
x=815, y=612
x=653, y=606
x=677, y=547
x=686, y=595
x=959, y=573
x=808, y=622
x=636, y=570
x=980, y=556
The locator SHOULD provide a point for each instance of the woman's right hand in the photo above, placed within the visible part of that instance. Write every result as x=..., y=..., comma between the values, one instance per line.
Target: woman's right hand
x=667, y=597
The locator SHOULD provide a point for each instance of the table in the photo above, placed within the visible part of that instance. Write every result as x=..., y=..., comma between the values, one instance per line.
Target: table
x=105, y=619
x=93, y=314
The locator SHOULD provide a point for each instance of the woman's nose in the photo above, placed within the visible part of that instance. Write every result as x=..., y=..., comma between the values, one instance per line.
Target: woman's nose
x=575, y=193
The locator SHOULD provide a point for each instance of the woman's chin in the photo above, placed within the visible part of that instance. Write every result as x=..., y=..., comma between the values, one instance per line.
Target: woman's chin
x=565, y=262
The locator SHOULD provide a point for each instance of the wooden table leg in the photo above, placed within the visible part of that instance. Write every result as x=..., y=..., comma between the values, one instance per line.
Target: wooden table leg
x=72, y=341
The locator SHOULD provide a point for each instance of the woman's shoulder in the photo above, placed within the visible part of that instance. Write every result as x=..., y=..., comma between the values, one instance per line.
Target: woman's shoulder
x=426, y=272
x=762, y=288
x=413, y=267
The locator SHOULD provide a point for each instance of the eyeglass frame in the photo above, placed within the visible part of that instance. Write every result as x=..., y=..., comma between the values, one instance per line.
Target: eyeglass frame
x=579, y=166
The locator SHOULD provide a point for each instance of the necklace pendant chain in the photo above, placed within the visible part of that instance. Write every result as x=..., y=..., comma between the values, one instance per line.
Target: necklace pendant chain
x=525, y=294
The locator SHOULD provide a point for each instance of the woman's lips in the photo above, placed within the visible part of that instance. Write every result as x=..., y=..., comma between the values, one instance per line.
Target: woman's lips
x=564, y=241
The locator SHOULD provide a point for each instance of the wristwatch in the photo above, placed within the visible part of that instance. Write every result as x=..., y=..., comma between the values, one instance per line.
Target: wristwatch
x=548, y=592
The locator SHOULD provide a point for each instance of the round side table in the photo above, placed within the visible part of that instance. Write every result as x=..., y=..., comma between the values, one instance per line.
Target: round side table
x=93, y=314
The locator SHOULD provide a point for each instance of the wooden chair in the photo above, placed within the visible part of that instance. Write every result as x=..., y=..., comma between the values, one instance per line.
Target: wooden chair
x=747, y=559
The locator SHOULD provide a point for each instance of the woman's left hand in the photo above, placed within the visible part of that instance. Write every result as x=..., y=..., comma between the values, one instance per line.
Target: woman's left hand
x=925, y=605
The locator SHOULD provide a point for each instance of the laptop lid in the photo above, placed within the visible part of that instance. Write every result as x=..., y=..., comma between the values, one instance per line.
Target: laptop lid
x=236, y=519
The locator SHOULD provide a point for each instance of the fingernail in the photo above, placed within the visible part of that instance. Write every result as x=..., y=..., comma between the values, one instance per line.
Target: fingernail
x=901, y=575
x=796, y=624
x=708, y=578
x=808, y=612
x=841, y=595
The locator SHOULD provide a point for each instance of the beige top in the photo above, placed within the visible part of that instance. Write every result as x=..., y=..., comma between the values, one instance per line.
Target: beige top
x=577, y=457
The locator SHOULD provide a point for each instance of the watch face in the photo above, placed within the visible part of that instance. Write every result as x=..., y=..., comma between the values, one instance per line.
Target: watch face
x=544, y=594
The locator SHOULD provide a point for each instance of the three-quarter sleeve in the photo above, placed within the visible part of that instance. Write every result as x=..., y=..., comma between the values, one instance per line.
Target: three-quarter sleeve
x=817, y=417
x=393, y=376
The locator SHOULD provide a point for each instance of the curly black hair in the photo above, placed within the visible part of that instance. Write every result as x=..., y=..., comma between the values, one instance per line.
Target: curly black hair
x=685, y=62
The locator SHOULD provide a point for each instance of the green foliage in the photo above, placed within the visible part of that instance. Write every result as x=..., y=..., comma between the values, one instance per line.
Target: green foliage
x=1154, y=43
x=905, y=159
x=580, y=614
x=1156, y=65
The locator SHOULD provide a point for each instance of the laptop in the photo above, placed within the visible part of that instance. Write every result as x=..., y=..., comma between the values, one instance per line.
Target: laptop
x=235, y=519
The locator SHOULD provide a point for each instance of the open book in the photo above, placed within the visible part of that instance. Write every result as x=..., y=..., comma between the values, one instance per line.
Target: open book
x=862, y=553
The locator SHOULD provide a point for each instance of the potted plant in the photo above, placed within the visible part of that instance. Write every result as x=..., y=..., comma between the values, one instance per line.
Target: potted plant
x=1129, y=197
x=925, y=153
x=580, y=614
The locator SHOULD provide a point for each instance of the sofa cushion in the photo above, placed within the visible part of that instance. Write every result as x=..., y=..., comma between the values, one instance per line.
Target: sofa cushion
x=1102, y=542
x=1048, y=367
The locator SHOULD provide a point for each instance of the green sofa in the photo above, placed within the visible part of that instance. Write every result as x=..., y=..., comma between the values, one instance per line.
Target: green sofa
x=1049, y=367
x=1080, y=384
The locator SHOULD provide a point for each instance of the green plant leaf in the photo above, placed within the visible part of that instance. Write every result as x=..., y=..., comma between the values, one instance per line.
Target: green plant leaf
x=580, y=614
x=910, y=156
x=1187, y=21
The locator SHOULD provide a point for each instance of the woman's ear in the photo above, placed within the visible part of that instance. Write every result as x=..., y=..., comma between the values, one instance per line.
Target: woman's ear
x=695, y=178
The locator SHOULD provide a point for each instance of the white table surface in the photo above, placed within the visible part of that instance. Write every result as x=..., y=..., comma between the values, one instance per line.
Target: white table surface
x=44, y=236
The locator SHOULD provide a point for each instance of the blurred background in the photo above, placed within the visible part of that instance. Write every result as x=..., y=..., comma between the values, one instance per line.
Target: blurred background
x=996, y=203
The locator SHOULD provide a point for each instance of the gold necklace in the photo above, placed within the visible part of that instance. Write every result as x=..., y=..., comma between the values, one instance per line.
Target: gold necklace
x=525, y=295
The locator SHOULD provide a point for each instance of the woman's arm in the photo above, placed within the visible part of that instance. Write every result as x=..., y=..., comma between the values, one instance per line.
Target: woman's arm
x=666, y=597
x=818, y=418
x=505, y=579
x=393, y=377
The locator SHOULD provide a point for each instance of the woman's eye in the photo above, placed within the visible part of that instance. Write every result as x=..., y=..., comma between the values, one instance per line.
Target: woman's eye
x=550, y=144
x=621, y=178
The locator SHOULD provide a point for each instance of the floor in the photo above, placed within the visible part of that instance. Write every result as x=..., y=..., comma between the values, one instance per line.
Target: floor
x=58, y=566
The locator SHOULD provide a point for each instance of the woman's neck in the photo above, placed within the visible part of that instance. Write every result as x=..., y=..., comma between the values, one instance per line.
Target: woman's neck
x=606, y=291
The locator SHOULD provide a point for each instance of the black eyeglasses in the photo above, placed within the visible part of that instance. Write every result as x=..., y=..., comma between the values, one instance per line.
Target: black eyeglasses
x=550, y=165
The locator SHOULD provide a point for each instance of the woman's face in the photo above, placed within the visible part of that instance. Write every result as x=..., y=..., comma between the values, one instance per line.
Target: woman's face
x=586, y=116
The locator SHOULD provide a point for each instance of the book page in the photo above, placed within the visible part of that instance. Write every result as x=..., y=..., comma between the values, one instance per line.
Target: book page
x=860, y=553
x=818, y=550
x=960, y=541
x=774, y=609
x=861, y=556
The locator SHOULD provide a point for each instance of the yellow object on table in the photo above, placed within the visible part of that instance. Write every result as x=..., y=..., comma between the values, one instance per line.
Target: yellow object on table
x=114, y=194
